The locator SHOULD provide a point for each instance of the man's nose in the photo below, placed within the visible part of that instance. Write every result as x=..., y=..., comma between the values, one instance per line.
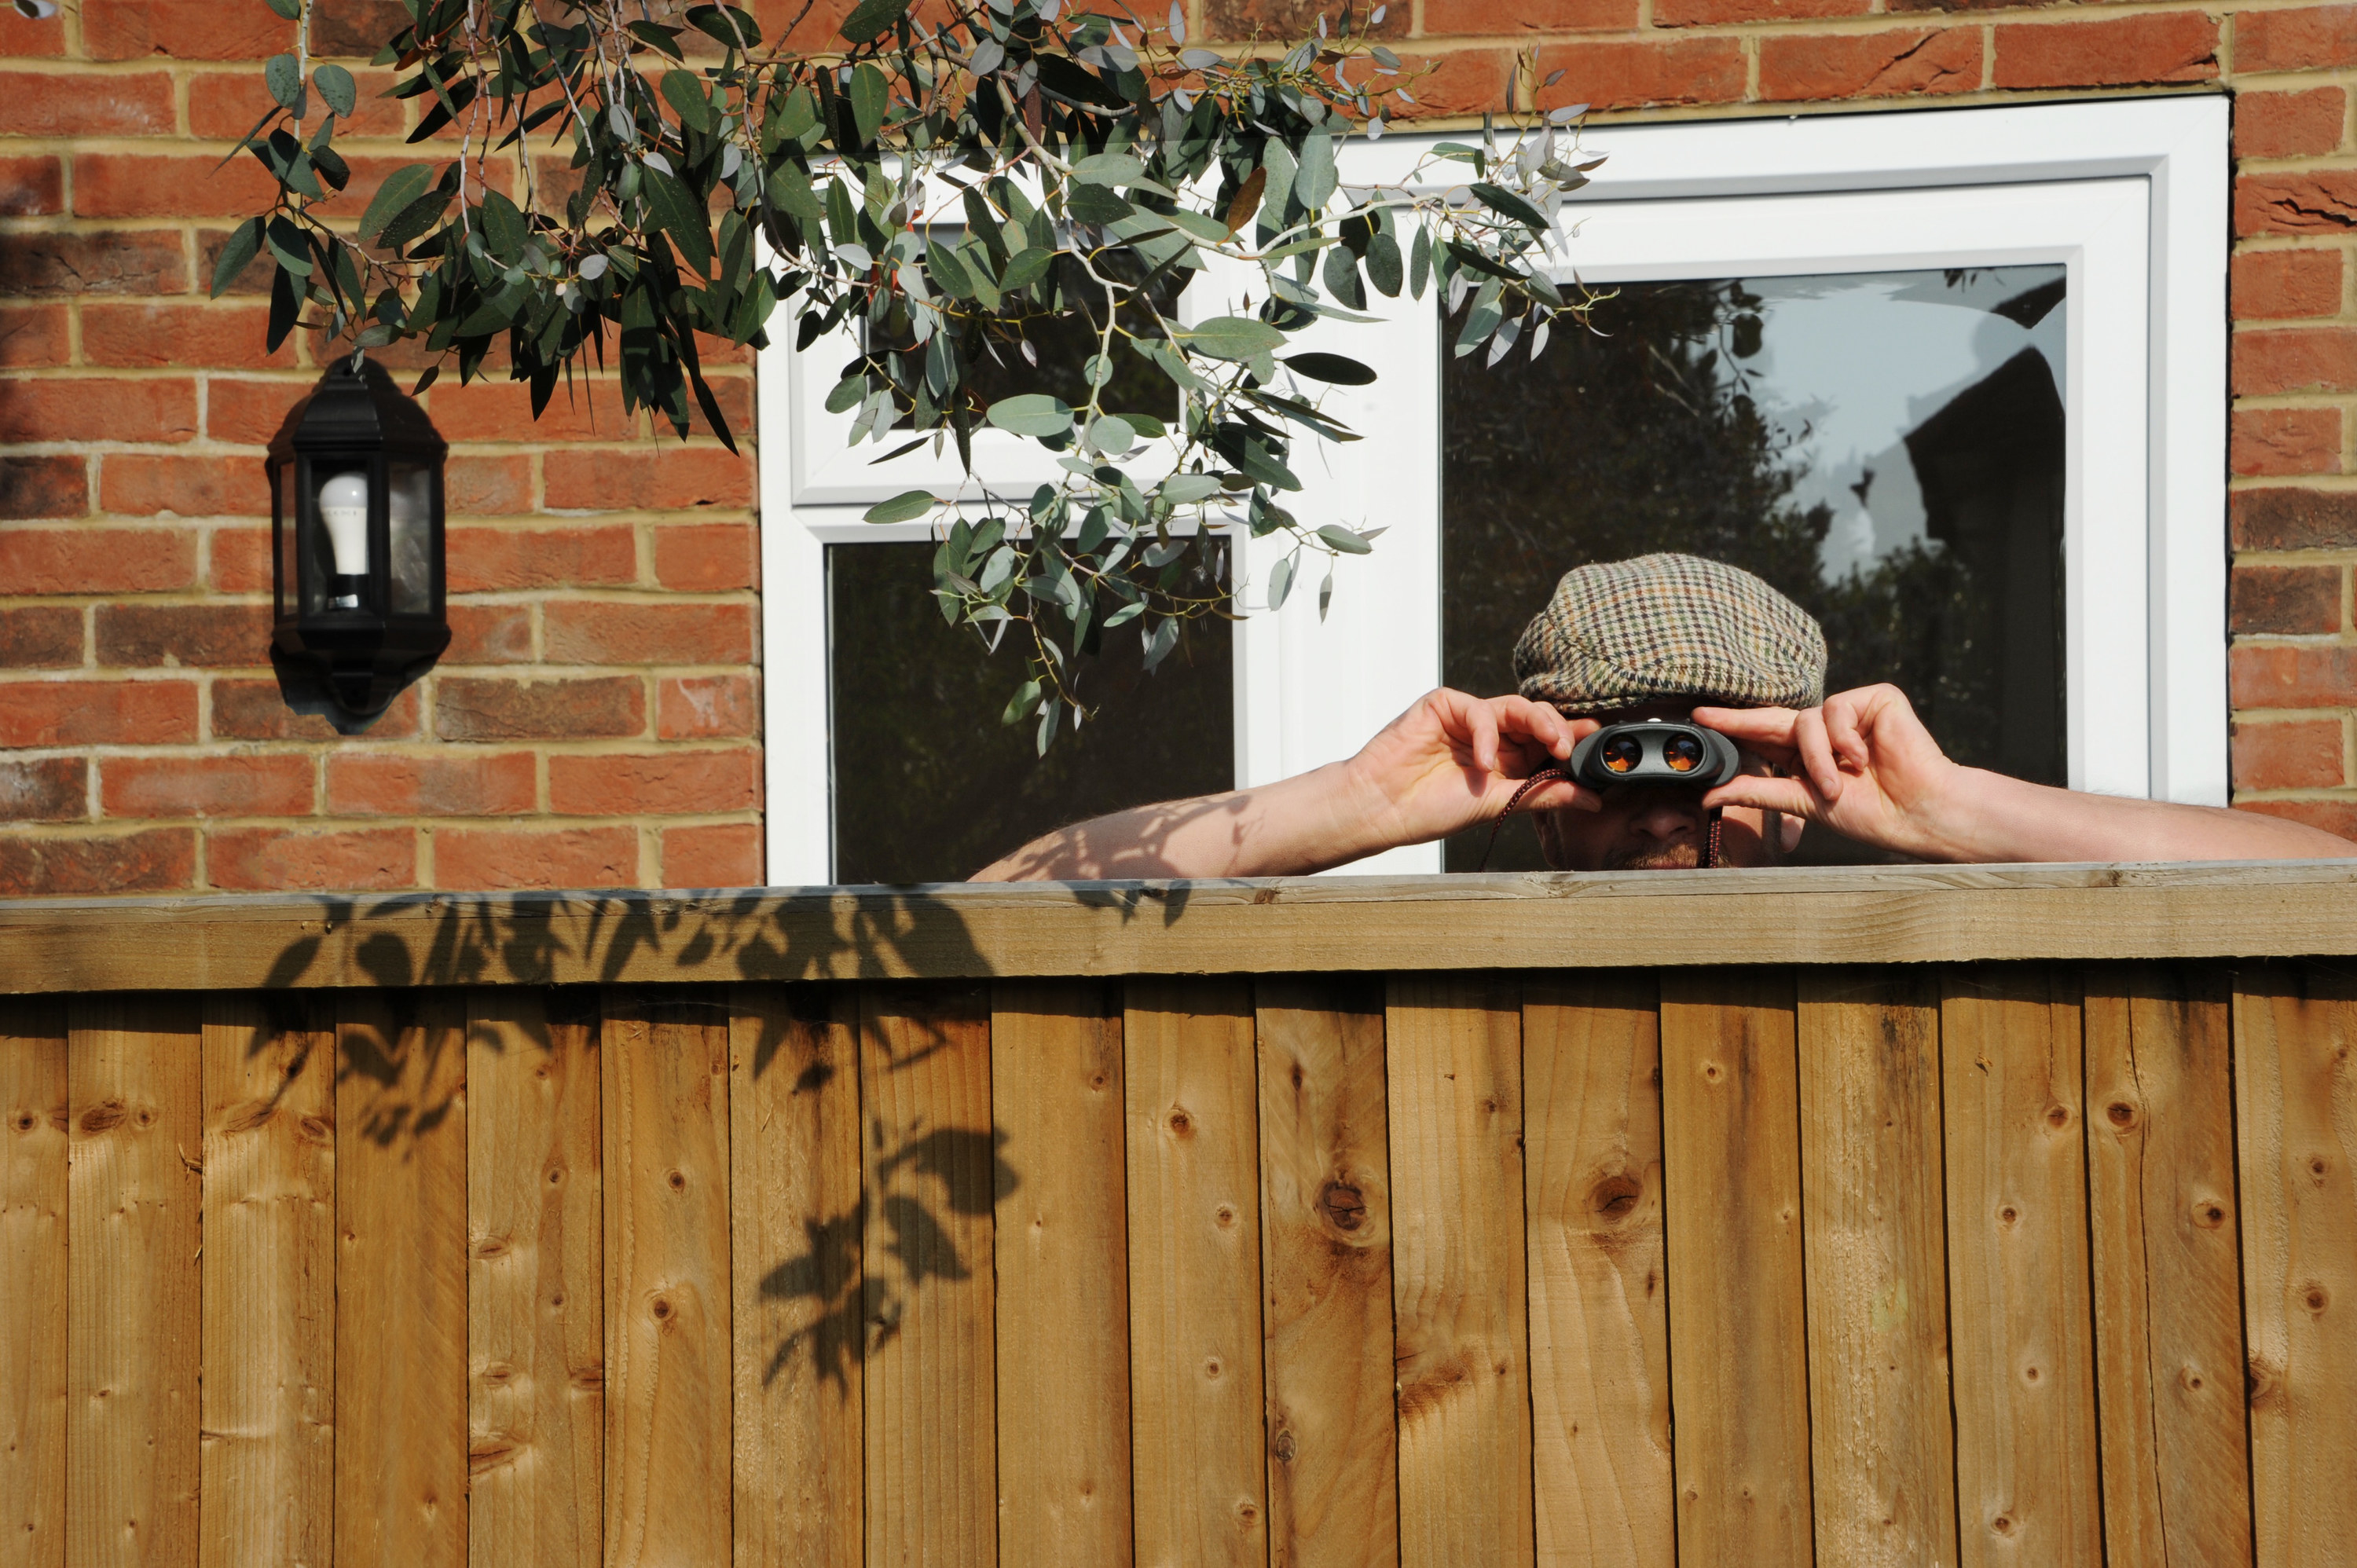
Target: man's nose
x=1665, y=816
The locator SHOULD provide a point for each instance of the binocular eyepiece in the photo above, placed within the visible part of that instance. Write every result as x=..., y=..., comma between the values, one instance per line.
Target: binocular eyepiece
x=1654, y=751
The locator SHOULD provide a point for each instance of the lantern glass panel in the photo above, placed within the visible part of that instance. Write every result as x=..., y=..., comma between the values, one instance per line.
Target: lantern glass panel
x=286, y=514
x=409, y=501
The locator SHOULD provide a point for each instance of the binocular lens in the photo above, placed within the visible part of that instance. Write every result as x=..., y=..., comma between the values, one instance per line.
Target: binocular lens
x=1622, y=753
x=1683, y=753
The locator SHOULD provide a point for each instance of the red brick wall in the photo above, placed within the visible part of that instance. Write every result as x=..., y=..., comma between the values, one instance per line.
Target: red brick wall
x=596, y=721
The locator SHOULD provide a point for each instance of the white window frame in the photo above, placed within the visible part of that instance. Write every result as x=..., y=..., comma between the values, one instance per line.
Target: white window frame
x=2130, y=194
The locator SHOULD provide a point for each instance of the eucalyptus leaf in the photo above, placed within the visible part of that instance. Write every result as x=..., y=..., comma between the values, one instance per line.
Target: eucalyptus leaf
x=1339, y=369
x=871, y=19
x=903, y=508
x=1231, y=337
x=283, y=74
x=1032, y=413
x=336, y=85
x=1343, y=540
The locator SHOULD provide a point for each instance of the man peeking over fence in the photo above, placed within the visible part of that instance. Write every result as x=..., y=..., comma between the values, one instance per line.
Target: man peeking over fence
x=1674, y=637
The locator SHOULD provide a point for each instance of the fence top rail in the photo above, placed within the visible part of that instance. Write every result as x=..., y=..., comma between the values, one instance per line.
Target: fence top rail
x=1780, y=916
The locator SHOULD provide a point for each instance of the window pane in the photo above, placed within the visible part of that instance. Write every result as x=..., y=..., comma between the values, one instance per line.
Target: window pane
x=1887, y=448
x=929, y=787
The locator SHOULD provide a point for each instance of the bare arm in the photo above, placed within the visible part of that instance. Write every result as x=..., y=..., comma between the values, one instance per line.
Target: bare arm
x=1863, y=766
x=1449, y=762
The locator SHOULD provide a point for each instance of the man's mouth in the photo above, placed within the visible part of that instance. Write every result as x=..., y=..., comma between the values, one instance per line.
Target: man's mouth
x=1681, y=854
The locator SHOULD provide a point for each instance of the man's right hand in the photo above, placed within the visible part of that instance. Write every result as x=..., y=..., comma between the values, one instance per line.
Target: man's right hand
x=1453, y=761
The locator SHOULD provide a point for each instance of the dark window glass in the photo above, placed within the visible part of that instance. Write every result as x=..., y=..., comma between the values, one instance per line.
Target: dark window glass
x=1887, y=448
x=930, y=786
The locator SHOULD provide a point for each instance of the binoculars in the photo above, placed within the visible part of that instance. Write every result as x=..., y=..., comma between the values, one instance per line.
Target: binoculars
x=1654, y=751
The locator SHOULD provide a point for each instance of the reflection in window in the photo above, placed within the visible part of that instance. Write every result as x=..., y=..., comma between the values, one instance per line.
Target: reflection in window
x=1887, y=448
x=929, y=787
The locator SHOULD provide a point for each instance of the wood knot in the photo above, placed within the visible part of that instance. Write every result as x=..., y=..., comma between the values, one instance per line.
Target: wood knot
x=2029, y=1374
x=1213, y=1366
x=26, y=1122
x=662, y=1309
x=1247, y=1515
x=1614, y=1198
x=2210, y=1214
x=2317, y=1167
x=103, y=1118
x=2058, y=1117
x=1283, y=1446
x=2314, y=1298
x=317, y=1130
x=2002, y=1524
x=1225, y=1214
x=2122, y=1114
x=491, y=1247
x=2009, y=1215
x=1345, y=1208
x=1711, y=1072
x=1181, y=1124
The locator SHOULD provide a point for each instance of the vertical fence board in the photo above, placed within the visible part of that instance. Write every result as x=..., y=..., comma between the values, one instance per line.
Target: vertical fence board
x=670, y=1424
x=1198, y=1444
x=1063, y=1264
x=796, y=1209
x=1324, y=1152
x=135, y=1087
x=33, y=1283
x=401, y=1280
x=1875, y=1241
x=931, y=1173
x=2169, y=1359
x=1731, y=1223
x=536, y=1300
x=1599, y=1316
x=1461, y=1342
x=269, y=1350
x=2296, y=1081
x=2019, y=1309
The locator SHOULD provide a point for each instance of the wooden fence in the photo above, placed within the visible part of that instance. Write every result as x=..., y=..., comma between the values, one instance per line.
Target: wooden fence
x=1985, y=1218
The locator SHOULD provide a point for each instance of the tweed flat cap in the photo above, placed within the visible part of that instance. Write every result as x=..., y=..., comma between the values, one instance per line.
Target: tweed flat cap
x=1622, y=633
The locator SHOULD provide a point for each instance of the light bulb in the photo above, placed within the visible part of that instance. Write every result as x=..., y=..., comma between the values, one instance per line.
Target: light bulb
x=343, y=512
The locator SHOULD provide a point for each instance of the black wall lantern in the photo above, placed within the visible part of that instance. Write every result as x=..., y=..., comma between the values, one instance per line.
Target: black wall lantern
x=356, y=523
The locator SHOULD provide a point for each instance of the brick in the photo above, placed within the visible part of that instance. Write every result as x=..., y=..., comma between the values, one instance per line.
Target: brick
x=173, y=336
x=2333, y=816
x=31, y=186
x=34, y=337
x=501, y=411
x=706, y=557
x=1619, y=75
x=182, y=29
x=252, y=280
x=1466, y=82
x=734, y=394
x=1691, y=13
x=2289, y=519
x=658, y=480
x=354, y=28
x=249, y=413
x=677, y=782
x=493, y=559
x=519, y=857
x=2178, y=46
x=2288, y=124
x=2318, y=38
x=1494, y=18
x=266, y=860
x=2284, y=441
x=36, y=104
x=1870, y=65
x=44, y=789
x=242, y=561
x=489, y=634
x=2295, y=359
x=41, y=636
x=707, y=707
x=728, y=855
x=253, y=710
x=138, y=260
x=146, y=637
x=576, y=631
x=131, y=484
x=1242, y=19
x=469, y=708
x=98, y=408
x=2284, y=601
x=22, y=38
x=269, y=785
x=55, y=486
x=97, y=560
x=485, y=486
x=97, y=712
x=451, y=784
x=2275, y=285
x=160, y=860
x=145, y=185
x=2291, y=675
x=2296, y=754
x=2322, y=202
x=224, y=105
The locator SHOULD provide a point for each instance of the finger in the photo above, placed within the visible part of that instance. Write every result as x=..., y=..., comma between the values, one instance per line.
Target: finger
x=1792, y=796
x=1767, y=731
x=1558, y=795
x=1816, y=753
x=1483, y=724
x=1842, y=712
x=1520, y=716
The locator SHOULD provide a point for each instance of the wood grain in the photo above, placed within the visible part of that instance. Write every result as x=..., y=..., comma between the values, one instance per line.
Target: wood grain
x=1198, y=1443
x=670, y=1424
x=795, y=1217
x=1731, y=1222
x=33, y=1283
x=931, y=1174
x=2167, y=1285
x=1062, y=1233
x=1461, y=1341
x=268, y=1466
x=135, y=1088
x=535, y=1299
x=2020, y=1315
x=1326, y=1254
x=401, y=1280
x=1599, y=1314
x=1875, y=1234
x=2295, y=1092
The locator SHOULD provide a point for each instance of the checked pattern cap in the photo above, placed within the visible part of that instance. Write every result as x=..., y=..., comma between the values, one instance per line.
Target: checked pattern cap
x=1622, y=633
